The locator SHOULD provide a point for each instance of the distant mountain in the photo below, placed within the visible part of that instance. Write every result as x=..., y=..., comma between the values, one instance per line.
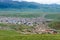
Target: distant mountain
x=29, y=5
x=5, y=0
x=20, y=5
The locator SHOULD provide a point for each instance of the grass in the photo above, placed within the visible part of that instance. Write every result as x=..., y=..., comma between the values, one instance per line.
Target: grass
x=12, y=35
x=9, y=13
x=20, y=14
x=53, y=16
x=8, y=33
x=16, y=26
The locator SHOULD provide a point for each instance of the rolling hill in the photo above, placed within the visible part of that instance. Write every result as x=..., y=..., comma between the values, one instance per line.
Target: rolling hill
x=29, y=5
x=28, y=9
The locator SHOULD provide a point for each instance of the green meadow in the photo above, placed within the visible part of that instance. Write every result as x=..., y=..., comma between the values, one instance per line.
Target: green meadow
x=26, y=14
x=53, y=16
x=20, y=14
x=12, y=35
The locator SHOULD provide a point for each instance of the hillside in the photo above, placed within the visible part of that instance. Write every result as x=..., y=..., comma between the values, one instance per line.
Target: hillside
x=29, y=5
x=18, y=5
x=29, y=21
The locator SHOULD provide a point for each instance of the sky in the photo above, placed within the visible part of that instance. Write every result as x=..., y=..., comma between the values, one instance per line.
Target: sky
x=43, y=1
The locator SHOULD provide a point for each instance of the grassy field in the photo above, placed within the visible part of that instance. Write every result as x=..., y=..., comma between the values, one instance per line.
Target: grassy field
x=53, y=16
x=20, y=14
x=50, y=15
x=12, y=35
x=15, y=27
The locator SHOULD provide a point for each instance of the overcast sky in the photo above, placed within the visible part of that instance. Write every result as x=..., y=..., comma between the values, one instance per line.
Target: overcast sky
x=43, y=1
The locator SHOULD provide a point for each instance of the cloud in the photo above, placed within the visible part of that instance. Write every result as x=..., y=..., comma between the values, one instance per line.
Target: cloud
x=43, y=1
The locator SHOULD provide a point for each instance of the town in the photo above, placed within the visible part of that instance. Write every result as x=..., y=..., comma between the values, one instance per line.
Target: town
x=40, y=24
x=26, y=21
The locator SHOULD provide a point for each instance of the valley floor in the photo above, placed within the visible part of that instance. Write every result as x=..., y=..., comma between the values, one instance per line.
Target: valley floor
x=12, y=35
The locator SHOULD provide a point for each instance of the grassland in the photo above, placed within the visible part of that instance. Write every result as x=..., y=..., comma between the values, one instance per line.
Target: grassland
x=15, y=27
x=53, y=16
x=49, y=15
x=20, y=14
x=12, y=35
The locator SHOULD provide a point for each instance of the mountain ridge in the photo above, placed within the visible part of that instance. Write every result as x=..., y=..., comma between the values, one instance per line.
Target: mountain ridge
x=29, y=5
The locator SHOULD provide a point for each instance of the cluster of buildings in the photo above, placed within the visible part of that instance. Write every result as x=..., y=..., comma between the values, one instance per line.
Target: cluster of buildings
x=40, y=28
x=17, y=20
